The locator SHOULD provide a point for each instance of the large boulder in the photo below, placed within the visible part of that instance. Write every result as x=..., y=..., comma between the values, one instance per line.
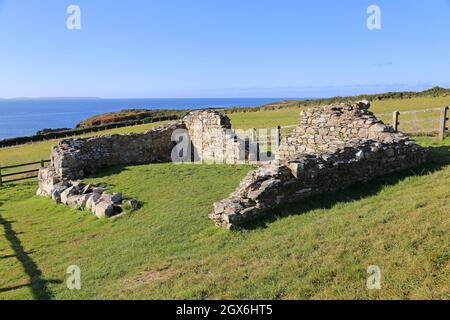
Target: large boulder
x=99, y=190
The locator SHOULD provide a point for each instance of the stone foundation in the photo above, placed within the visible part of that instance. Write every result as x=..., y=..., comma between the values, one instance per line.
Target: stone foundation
x=78, y=196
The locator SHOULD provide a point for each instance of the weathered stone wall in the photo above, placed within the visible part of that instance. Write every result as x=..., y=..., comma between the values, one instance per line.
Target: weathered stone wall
x=328, y=128
x=210, y=133
x=212, y=138
x=334, y=147
x=284, y=182
x=73, y=159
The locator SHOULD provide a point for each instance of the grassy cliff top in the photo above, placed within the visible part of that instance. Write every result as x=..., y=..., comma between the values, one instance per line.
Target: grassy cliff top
x=127, y=115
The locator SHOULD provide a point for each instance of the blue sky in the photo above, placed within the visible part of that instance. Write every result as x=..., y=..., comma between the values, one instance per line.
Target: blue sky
x=221, y=48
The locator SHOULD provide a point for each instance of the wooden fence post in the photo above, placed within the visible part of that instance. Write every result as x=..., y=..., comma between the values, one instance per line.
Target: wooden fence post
x=1, y=181
x=443, y=123
x=42, y=163
x=396, y=123
x=279, y=134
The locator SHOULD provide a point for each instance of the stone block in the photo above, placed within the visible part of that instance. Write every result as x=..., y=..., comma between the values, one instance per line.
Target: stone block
x=104, y=209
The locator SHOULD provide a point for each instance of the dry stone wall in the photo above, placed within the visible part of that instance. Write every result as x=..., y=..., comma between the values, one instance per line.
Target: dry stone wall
x=75, y=158
x=329, y=128
x=334, y=147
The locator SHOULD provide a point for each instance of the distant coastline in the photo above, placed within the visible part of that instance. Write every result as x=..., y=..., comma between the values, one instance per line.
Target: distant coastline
x=21, y=117
x=25, y=116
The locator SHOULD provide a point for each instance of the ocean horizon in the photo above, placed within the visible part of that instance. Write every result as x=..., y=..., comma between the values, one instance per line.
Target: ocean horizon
x=24, y=117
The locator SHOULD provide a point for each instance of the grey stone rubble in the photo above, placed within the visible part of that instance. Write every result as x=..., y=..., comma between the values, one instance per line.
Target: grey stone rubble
x=334, y=147
x=78, y=196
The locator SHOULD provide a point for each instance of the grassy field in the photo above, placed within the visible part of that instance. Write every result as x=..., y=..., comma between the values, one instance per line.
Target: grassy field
x=316, y=249
x=290, y=116
x=388, y=106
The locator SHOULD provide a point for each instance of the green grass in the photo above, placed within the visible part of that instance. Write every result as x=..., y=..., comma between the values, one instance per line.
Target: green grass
x=388, y=106
x=265, y=119
x=316, y=249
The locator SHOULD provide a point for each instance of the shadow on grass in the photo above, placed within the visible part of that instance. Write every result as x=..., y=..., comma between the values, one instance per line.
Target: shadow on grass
x=107, y=172
x=37, y=285
x=440, y=159
x=10, y=256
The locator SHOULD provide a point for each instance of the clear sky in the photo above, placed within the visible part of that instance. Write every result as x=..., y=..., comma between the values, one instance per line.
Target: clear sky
x=221, y=48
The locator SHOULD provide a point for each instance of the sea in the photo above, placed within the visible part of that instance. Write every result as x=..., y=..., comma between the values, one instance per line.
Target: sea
x=24, y=117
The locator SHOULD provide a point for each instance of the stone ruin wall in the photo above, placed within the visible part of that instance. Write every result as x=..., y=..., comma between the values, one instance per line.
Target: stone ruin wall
x=334, y=147
x=329, y=128
x=74, y=159
x=210, y=133
x=213, y=139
